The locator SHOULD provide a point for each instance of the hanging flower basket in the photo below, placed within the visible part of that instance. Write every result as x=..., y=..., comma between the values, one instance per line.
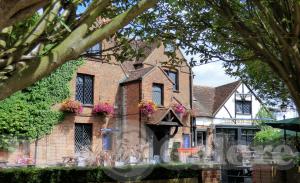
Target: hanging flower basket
x=147, y=107
x=71, y=106
x=103, y=109
x=179, y=109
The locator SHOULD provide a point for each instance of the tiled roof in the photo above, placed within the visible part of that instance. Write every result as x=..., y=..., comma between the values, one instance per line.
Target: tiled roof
x=223, y=92
x=203, y=100
x=137, y=74
x=208, y=100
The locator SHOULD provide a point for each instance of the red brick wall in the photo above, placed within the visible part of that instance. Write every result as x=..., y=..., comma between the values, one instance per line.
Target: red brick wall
x=107, y=76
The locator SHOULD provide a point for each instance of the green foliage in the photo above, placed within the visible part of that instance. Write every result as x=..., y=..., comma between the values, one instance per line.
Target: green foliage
x=268, y=135
x=18, y=30
x=264, y=115
x=28, y=114
x=229, y=31
x=55, y=175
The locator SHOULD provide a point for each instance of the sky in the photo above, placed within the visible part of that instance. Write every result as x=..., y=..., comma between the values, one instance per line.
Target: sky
x=211, y=74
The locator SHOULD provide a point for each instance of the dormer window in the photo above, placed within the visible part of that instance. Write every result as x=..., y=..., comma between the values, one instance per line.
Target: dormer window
x=243, y=107
x=173, y=75
x=95, y=50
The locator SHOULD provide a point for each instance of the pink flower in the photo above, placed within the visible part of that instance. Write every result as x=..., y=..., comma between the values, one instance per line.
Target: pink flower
x=103, y=109
x=179, y=108
x=148, y=107
x=72, y=106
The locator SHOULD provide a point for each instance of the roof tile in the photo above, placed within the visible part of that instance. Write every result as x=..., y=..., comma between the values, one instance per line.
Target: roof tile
x=208, y=100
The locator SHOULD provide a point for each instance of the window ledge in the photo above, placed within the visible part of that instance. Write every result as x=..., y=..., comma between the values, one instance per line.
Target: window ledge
x=176, y=91
x=243, y=114
x=88, y=105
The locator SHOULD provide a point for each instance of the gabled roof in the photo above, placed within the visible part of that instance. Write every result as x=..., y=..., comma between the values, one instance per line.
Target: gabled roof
x=137, y=74
x=164, y=116
x=208, y=100
x=222, y=94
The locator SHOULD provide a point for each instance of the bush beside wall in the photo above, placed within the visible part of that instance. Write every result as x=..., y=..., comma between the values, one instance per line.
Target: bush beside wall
x=97, y=174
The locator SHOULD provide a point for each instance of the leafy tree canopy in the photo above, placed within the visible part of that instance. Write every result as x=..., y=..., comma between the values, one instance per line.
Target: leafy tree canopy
x=24, y=32
x=258, y=40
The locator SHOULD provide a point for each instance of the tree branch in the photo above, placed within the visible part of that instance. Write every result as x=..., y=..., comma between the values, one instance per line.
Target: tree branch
x=70, y=48
x=12, y=11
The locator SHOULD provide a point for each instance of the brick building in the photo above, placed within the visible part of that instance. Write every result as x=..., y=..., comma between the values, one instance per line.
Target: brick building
x=123, y=85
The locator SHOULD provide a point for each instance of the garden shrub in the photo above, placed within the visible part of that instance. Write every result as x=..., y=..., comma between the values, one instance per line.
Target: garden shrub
x=28, y=114
x=96, y=174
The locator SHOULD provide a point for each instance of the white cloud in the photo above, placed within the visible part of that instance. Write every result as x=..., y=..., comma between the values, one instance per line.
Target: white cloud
x=211, y=74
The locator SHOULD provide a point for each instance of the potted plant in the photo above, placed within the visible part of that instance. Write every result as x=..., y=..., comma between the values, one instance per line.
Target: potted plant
x=147, y=108
x=105, y=110
x=71, y=106
x=179, y=109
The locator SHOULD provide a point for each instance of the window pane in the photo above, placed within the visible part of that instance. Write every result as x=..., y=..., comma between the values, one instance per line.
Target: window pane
x=201, y=138
x=173, y=76
x=157, y=94
x=84, y=89
x=239, y=107
x=79, y=88
x=88, y=90
x=83, y=137
x=247, y=107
